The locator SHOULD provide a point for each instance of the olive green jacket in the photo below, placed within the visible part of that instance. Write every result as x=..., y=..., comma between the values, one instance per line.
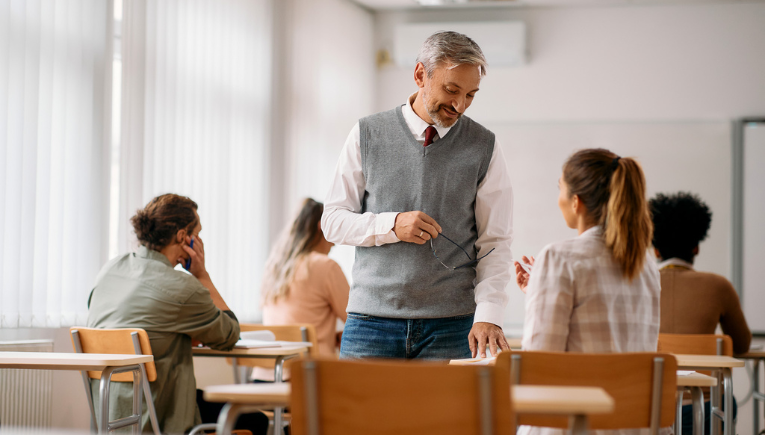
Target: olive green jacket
x=142, y=290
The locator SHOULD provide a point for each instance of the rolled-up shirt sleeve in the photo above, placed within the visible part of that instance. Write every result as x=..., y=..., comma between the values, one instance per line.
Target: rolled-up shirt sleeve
x=494, y=221
x=203, y=321
x=342, y=221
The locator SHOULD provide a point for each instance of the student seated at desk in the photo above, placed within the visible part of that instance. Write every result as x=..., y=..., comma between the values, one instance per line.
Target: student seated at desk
x=598, y=292
x=692, y=302
x=142, y=289
x=302, y=284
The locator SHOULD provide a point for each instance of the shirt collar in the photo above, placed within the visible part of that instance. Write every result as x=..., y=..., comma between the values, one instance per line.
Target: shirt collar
x=418, y=125
x=595, y=231
x=144, y=252
x=676, y=262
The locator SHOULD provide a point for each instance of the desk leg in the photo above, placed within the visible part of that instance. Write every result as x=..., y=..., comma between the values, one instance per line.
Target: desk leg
x=679, y=412
x=279, y=411
x=730, y=425
x=227, y=418
x=714, y=405
x=137, y=405
x=697, y=396
x=756, y=396
x=104, y=390
x=578, y=425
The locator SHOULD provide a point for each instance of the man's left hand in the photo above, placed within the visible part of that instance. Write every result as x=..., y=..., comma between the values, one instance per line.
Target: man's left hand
x=484, y=333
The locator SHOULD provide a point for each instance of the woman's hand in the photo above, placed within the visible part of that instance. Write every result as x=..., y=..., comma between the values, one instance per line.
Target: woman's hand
x=197, y=256
x=521, y=276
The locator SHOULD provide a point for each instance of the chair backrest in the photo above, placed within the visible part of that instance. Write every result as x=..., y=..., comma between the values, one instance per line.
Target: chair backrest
x=296, y=332
x=382, y=397
x=643, y=385
x=114, y=341
x=696, y=344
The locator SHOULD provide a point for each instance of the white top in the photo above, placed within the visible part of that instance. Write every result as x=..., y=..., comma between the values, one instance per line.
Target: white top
x=343, y=223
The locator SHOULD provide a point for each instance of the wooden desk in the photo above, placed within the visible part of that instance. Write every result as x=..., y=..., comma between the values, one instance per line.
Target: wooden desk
x=278, y=354
x=758, y=356
x=107, y=364
x=693, y=382
x=578, y=402
x=720, y=366
x=514, y=342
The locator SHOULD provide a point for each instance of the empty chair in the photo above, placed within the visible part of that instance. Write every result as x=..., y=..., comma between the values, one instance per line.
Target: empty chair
x=403, y=398
x=643, y=385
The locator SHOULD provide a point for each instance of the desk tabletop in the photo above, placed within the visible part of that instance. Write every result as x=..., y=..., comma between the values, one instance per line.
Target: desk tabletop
x=696, y=380
x=529, y=399
x=68, y=361
x=752, y=354
x=284, y=350
x=707, y=362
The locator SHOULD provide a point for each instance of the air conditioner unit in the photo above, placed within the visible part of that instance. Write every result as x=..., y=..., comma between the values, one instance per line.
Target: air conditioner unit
x=502, y=42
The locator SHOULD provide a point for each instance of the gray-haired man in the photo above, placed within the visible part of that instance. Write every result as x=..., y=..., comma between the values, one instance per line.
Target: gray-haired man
x=423, y=192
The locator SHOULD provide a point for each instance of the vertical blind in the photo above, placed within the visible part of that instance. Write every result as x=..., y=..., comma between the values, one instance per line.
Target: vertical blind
x=195, y=121
x=53, y=171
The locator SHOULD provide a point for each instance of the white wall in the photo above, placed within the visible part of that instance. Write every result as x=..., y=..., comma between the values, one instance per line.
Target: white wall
x=330, y=85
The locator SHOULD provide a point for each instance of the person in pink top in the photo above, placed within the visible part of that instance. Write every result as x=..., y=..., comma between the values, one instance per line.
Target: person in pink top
x=301, y=284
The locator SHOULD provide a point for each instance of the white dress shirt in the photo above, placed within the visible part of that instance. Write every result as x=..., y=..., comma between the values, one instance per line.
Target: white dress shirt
x=343, y=223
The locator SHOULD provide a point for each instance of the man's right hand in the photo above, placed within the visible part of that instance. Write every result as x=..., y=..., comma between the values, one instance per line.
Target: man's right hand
x=415, y=227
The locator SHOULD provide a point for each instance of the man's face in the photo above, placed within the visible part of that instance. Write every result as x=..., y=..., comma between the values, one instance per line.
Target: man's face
x=449, y=92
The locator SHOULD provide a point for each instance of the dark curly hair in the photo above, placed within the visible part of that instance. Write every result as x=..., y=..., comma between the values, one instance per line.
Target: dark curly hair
x=157, y=224
x=681, y=221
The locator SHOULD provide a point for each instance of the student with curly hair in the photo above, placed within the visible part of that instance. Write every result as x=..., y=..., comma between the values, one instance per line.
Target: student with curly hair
x=142, y=289
x=692, y=302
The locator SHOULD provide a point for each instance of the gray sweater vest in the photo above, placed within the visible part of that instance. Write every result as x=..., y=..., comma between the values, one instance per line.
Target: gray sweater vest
x=405, y=280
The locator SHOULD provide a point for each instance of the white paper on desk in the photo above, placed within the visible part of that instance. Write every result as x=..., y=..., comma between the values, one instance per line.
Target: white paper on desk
x=685, y=372
x=264, y=335
x=255, y=344
x=478, y=361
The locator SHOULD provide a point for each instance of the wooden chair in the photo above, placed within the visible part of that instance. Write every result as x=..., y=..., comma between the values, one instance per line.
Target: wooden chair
x=403, y=398
x=703, y=344
x=117, y=341
x=642, y=385
x=123, y=341
x=297, y=332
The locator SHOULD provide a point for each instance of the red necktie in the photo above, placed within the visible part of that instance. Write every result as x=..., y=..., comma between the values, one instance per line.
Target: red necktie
x=430, y=133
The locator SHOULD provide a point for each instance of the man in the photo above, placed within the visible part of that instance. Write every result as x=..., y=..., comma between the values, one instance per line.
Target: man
x=409, y=182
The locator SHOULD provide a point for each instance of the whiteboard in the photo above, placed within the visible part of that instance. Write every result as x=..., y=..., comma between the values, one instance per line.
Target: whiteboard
x=753, y=240
x=691, y=156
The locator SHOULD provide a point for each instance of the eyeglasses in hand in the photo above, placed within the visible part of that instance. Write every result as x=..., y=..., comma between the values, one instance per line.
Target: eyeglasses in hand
x=469, y=263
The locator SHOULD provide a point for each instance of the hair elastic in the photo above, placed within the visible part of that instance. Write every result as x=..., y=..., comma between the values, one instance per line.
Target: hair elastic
x=615, y=163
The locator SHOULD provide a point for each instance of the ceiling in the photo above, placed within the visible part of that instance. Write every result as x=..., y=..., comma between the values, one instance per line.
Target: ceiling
x=452, y=4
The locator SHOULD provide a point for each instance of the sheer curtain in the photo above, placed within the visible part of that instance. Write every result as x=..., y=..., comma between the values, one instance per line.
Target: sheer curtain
x=195, y=121
x=53, y=164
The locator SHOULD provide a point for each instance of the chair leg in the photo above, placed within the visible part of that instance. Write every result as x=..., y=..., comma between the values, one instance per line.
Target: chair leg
x=89, y=395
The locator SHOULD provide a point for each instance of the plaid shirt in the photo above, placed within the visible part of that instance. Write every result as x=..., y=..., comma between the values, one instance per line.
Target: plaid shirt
x=578, y=301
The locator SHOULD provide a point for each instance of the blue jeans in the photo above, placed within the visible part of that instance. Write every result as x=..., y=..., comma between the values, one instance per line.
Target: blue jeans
x=380, y=337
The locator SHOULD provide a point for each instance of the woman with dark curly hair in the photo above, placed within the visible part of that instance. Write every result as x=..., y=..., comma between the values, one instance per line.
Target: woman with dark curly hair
x=692, y=302
x=142, y=289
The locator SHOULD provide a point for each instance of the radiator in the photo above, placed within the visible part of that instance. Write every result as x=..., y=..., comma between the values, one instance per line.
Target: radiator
x=25, y=395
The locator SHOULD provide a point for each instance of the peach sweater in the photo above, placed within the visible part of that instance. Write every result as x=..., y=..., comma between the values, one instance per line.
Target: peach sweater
x=318, y=295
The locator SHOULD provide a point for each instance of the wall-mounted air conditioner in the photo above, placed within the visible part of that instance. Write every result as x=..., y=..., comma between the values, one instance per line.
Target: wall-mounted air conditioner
x=502, y=42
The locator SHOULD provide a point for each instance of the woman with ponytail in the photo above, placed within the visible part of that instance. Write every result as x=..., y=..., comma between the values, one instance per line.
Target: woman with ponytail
x=301, y=284
x=598, y=292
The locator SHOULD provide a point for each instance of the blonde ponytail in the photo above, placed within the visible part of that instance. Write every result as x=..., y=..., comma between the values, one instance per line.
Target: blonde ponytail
x=628, y=226
x=613, y=191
